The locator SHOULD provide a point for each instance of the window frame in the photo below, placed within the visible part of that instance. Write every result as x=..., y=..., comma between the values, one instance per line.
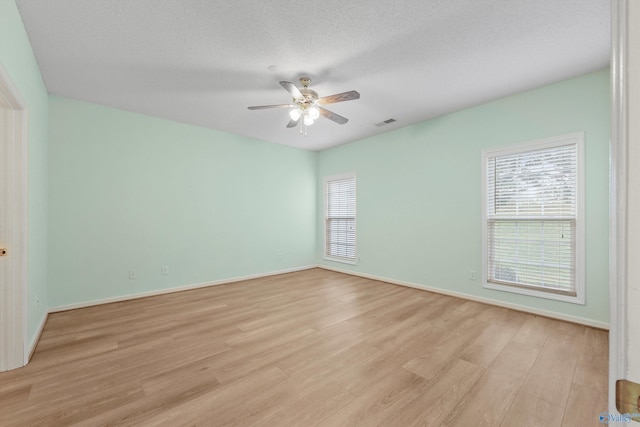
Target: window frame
x=325, y=195
x=576, y=138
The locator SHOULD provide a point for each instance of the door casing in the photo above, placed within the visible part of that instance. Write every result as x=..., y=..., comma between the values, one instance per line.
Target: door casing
x=13, y=225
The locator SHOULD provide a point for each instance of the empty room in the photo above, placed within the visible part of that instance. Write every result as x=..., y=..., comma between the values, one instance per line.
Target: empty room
x=335, y=213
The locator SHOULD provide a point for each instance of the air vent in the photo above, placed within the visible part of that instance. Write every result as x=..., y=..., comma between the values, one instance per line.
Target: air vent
x=386, y=122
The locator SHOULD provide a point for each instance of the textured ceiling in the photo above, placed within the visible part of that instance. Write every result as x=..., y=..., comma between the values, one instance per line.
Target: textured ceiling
x=204, y=62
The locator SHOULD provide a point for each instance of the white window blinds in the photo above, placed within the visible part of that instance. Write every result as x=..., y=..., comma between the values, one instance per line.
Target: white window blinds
x=531, y=219
x=340, y=217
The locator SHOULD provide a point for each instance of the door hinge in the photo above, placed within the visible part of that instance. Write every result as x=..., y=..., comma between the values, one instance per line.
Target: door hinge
x=628, y=398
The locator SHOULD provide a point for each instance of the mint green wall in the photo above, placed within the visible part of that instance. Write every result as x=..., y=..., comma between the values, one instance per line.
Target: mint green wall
x=132, y=192
x=17, y=58
x=418, y=190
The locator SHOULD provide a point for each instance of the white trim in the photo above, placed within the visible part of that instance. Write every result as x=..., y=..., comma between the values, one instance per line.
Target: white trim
x=175, y=289
x=346, y=175
x=336, y=177
x=337, y=259
x=536, y=144
x=36, y=337
x=532, y=293
x=526, y=146
x=13, y=301
x=518, y=307
x=618, y=200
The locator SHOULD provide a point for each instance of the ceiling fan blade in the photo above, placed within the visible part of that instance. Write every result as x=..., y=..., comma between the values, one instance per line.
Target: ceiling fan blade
x=339, y=97
x=333, y=116
x=264, y=107
x=293, y=123
x=292, y=89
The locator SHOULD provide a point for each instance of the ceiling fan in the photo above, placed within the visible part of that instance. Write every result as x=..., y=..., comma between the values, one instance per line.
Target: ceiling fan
x=307, y=107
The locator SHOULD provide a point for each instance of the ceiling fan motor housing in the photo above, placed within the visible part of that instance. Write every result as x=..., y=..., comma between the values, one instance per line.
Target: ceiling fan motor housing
x=309, y=96
x=308, y=99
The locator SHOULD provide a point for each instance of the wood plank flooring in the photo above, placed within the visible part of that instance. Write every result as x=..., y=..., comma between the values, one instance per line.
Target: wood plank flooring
x=311, y=348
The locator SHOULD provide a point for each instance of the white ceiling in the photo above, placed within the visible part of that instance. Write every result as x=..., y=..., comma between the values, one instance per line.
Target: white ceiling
x=204, y=62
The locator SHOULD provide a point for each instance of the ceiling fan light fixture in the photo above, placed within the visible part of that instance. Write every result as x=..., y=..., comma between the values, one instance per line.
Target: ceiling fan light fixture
x=308, y=121
x=312, y=112
x=295, y=114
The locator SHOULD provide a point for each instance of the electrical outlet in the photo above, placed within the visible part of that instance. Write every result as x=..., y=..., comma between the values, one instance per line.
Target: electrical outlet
x=164, y=270
x=133, y=274
x=473, y=275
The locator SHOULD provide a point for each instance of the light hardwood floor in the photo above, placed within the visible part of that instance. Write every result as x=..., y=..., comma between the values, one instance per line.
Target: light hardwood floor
x=305, y=349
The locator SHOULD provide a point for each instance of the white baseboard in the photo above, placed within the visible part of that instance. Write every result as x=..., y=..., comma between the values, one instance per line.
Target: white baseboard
x=538, y=311
x=541, y=312
x=36, y=338
x=172, y=290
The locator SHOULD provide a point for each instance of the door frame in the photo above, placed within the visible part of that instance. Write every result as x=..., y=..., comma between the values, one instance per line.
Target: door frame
x=618, y=208
x=14, y=221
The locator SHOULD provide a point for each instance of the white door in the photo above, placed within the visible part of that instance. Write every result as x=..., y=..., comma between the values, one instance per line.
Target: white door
x=625, y=208
x=13, y=225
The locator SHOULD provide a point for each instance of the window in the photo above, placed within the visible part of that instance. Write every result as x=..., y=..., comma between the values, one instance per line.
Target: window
x=533, y=218
x=340, y=218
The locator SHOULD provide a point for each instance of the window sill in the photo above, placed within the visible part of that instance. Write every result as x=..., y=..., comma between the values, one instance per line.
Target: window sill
x=341, y=260
x=579, y=299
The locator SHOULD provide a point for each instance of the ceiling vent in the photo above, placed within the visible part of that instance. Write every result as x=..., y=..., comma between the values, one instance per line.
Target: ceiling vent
x=386, y=122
